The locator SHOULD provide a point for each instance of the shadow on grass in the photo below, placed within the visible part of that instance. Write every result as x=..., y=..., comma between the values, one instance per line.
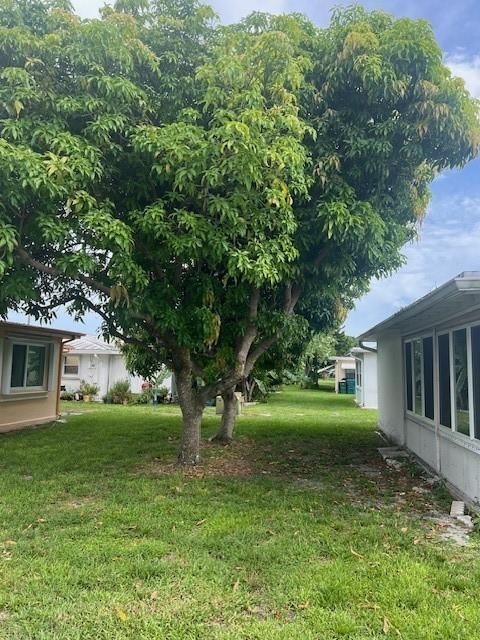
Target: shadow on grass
x=297, y=432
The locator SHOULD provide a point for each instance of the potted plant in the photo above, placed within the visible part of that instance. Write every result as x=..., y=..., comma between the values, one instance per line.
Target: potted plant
x=88, y=391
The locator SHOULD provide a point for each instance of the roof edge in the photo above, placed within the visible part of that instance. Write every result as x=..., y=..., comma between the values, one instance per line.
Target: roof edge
x=32, y=328
x=467, y=281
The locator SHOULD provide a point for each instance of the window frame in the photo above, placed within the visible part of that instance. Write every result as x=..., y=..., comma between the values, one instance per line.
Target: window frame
x=435, y=333
x=25, y=388
x=64, y=364
x=412, y=339
x=6, y=363
x=436, y=372
x=359, y=373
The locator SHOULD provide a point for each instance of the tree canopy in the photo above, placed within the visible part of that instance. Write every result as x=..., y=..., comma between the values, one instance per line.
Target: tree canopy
x=204, y=188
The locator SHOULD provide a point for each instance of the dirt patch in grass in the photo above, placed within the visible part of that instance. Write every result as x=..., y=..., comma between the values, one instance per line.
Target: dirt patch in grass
x=78, y=502
x=237, y=460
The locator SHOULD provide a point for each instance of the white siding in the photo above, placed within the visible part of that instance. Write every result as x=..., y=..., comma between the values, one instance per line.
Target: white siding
x=103, y=370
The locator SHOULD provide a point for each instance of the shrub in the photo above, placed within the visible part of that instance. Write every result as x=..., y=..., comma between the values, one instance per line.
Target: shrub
x=121, y=392
x=67, y=395
x=161, y=393
x=87, y=389
x=142, y=398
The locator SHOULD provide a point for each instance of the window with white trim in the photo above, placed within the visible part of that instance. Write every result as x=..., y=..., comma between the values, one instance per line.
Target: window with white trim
x=428, y=383
x=456, y=354
x=359, y=366
x=419, y=380
x=444, y=383
x=71, y=365
x=408, y=375
x=475, y=346
x=28, y=367
x=461, y=381
x=417, y=377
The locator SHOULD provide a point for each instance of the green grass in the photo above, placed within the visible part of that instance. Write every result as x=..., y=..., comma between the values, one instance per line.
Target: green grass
x=298, y=531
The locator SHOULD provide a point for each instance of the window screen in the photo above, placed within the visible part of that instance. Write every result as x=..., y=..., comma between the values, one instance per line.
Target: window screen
x=408, y=375
x=19, y=358
x=28, y=366
x=461, y=381
x=71, y=365
x=476, y=378
x=417, y=377
x=444, y=380
x=428, y=377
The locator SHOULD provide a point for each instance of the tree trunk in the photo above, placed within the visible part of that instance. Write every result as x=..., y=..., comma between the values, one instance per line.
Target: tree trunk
x=227, y=424
x=192, y=410
x=189, y=454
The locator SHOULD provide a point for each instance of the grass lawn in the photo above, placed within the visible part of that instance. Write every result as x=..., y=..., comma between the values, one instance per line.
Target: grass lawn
x=298, y=531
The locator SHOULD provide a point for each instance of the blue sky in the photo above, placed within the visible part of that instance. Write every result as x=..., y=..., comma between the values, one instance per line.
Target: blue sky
x=450, y=236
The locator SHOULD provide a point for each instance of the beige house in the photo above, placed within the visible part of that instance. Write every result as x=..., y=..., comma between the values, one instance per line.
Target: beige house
x=344, y=370
x=30, y=362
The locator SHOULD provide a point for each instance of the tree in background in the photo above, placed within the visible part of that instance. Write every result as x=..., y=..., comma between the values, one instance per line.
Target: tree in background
x=344, y=343
x=318, y=352
x=199, y=187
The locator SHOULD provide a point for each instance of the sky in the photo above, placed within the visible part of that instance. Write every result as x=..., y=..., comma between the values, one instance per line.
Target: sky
x=449, y=240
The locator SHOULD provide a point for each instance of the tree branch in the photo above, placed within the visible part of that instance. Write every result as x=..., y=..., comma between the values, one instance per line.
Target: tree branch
x=27, y=259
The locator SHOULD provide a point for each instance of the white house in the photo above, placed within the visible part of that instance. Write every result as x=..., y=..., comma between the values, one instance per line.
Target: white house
x=366, y=377
x=96, y=362
x=344, y=370
x=429, y=380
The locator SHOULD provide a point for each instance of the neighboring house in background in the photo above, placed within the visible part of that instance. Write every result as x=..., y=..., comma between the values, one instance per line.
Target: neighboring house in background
x=429, y=380
x=344, y=372
x=30, y=360
x=366, y=377
x=91, y=360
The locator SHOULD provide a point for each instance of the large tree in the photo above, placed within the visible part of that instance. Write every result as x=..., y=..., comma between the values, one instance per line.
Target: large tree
x=198, y=202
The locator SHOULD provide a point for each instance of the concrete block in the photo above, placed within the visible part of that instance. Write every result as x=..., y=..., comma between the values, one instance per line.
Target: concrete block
x=457, y=509
x=392, y=453
x=239, y=402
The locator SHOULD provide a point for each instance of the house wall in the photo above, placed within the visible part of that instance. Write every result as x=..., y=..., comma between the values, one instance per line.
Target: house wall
x=367, y=394
x=390, y=387
x=359, y=392
x=453, y=456
x=103, y=370
x=32, y=407
x=370, y=383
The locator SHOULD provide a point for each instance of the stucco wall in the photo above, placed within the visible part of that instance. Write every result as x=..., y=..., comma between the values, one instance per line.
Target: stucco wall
x=367, y=394
x=421, y=439
x=370, y=383
x=460, y=463
x=29, y=408
x=103, y=370
x=390, y=387
x=16, y=414
x=451, y=455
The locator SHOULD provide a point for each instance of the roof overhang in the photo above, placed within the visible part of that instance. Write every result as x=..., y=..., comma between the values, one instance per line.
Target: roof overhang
x=91, y=352
x=455, y=298
x=29, y=329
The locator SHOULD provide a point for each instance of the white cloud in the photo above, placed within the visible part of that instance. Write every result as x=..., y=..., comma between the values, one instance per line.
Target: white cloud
x=447, y=246
x=468, y=68
x=88, y=8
